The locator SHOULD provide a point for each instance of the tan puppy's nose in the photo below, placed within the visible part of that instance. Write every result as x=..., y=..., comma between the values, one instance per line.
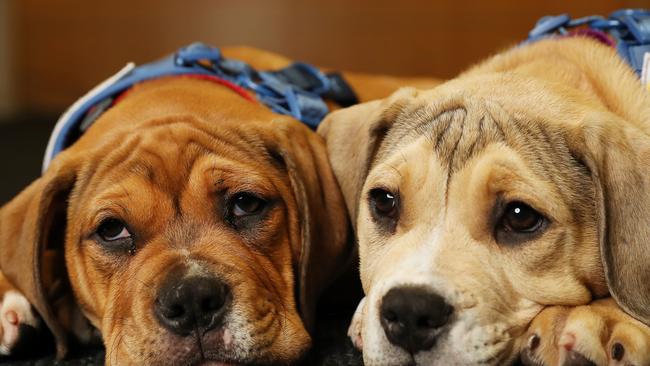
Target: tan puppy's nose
x=185, y=305
x=411, y=317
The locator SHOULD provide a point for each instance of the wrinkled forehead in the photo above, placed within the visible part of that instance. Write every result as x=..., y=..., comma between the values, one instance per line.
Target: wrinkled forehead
x=461, y=131
x=170, y=157
x=460, y=134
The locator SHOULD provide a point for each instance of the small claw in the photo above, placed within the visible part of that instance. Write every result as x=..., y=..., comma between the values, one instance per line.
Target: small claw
x=528, y=357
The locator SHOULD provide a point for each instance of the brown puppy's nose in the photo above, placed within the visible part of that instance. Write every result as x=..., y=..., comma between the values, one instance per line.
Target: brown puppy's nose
x=185, y=305
x=410, y=317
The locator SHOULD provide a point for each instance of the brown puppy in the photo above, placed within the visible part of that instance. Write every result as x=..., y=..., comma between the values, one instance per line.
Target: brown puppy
x=522, y=184
x=197, y=226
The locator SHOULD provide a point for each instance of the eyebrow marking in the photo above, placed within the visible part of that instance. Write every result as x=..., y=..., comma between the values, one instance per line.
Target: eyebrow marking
x=499, y=129
x=470, y=150
x=540, y=156
x=444, y=131
x=396, y=170
x=452, y=157
x=551, y=166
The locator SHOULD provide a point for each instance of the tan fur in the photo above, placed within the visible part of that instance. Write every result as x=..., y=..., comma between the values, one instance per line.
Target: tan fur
x=163, y=159
x=561, y=125
x=592, y=330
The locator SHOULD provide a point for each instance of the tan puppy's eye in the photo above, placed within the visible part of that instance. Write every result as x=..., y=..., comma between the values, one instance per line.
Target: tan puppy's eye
x=383, y=202
x=384, y=207
x=244, y=204
x=113, y=230
x=520, y=217
x=518, y=223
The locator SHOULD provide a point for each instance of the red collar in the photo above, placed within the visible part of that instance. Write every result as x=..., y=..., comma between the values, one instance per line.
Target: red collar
x=236, y=88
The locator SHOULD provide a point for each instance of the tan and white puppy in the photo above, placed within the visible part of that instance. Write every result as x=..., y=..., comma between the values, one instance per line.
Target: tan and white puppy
x=522, y=184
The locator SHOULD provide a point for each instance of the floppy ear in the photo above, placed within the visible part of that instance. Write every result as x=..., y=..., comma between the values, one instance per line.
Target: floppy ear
x=353, y=136
x=326, y=249
x=27, y=227
x=618, y=155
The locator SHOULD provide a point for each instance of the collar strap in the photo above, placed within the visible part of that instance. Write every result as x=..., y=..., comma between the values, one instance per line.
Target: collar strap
x=297, y=90
x=629, y=29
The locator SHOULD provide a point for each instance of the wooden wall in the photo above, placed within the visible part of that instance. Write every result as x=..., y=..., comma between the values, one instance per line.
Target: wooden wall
x=6, y=71
x=60, y=49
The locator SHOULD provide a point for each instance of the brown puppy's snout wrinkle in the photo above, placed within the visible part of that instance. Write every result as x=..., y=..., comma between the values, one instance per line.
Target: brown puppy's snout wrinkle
x=192, y=304
x=412, y=317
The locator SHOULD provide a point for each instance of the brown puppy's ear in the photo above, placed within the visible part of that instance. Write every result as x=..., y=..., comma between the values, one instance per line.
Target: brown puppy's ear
x=618, y=155
x=353, y=136
x=325, y=246
x=27, y=224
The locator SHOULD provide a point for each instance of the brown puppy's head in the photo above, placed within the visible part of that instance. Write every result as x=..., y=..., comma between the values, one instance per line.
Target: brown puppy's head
x=191, y=219
x=478, y=203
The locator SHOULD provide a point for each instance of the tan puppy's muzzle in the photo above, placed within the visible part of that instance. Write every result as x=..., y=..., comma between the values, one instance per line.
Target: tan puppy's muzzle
x=412, y=317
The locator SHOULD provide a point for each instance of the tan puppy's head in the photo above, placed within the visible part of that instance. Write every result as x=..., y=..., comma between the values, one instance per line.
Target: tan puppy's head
x=190, y=219
x=481, y=201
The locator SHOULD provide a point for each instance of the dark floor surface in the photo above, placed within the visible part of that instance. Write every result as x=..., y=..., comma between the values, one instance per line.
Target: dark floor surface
x=331, y=348
x=22, y=145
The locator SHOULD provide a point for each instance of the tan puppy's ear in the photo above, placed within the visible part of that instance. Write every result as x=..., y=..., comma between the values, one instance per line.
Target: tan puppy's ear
x=353, y=136
x=325, y=246
x=29, y=224
x=618, y=156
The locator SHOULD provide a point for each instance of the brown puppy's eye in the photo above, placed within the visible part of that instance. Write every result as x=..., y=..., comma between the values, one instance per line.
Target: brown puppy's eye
x=383, y=202
x=244, y=204
x=113, y=230
x=521, y=218
x=113, y=235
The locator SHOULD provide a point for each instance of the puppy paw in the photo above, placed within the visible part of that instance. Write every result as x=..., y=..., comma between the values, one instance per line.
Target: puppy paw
x=356, y=326
x=596, y=334
x=15, y=314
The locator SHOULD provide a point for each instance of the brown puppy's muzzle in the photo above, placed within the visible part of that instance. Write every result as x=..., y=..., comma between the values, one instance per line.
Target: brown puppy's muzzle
x=197, y=304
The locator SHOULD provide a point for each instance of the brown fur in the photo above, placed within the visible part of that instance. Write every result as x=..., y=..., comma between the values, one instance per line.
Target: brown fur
x=5, y=286
x=561, y=125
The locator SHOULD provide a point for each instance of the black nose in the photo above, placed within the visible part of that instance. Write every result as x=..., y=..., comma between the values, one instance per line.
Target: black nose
x=191, y=304
x=411, y=317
